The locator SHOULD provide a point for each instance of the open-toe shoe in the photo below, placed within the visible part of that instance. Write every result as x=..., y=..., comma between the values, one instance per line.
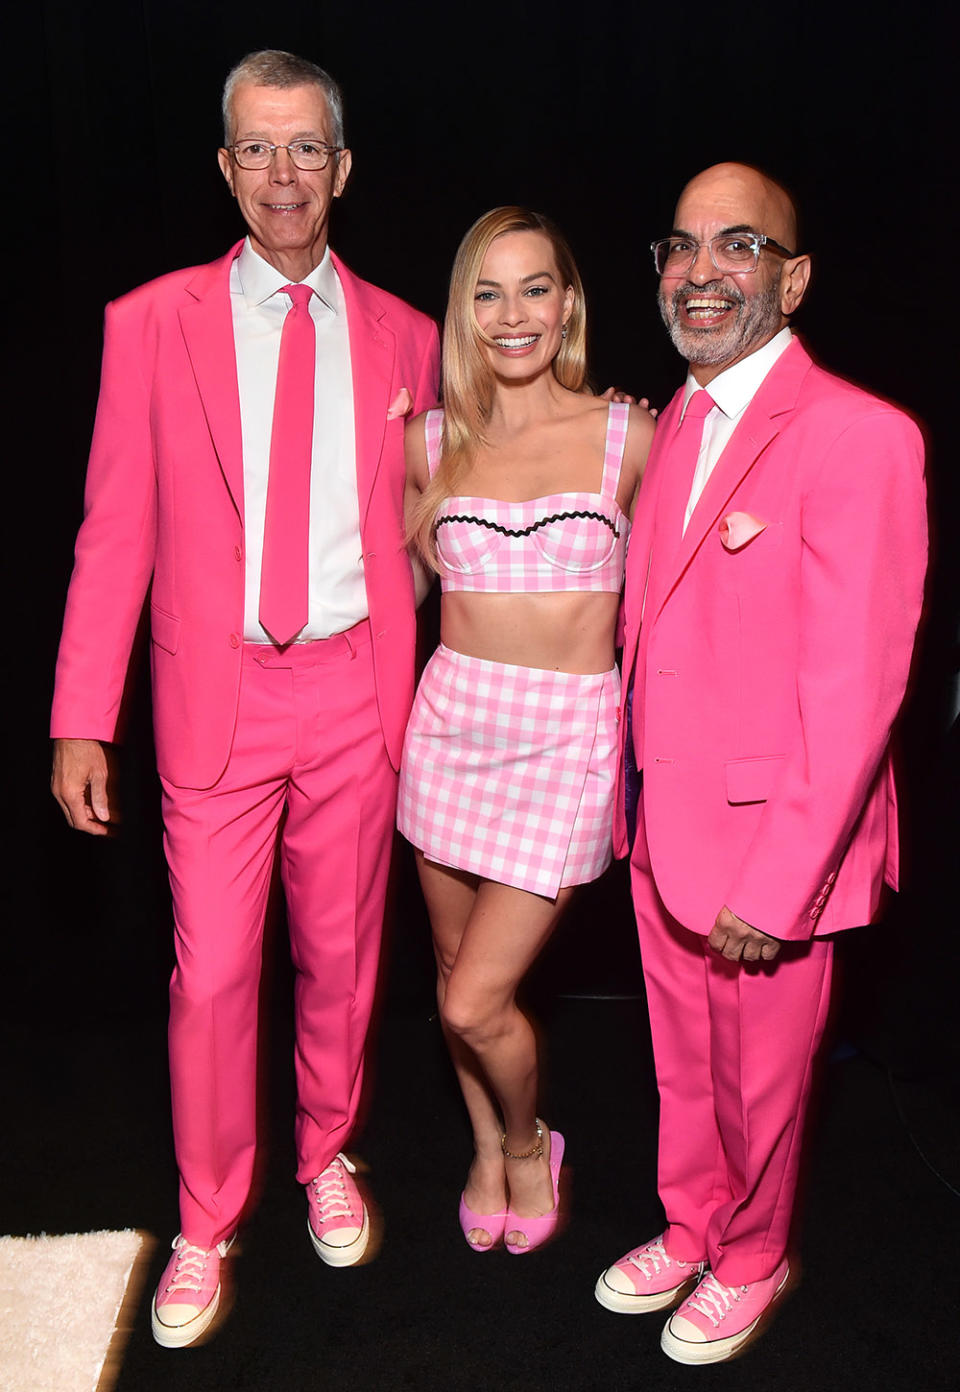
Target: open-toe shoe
x=491, y=1223
x=537, y=1231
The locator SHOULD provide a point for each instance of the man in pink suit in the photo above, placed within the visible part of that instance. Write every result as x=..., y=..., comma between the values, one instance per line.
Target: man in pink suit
x=774, y=585
x=247, y=466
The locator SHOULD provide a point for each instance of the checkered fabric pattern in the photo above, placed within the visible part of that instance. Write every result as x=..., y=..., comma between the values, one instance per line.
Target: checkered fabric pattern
x=564, y=541
x=508, y=772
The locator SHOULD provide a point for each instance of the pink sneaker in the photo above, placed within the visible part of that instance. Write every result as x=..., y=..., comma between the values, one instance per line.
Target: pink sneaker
x=337, y=1218
x=646, y=1279
x=188, y=1295
x=718, y=1320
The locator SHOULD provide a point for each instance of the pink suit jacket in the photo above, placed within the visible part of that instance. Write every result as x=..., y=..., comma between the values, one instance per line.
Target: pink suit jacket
x=164, y=509
x=767, y=677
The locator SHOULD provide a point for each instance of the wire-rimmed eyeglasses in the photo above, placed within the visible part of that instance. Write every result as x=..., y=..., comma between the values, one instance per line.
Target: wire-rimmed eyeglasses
x=306, y=154
x=730, y=252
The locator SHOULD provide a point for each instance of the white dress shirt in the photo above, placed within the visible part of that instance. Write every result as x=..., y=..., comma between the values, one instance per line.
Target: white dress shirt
x=337, y=595
x=732, y=392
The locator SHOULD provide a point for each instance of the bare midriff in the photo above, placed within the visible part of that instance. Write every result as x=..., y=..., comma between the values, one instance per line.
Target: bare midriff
x=564, y=632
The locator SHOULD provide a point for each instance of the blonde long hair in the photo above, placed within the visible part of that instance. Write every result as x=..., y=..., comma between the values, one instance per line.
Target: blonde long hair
x=468, y=379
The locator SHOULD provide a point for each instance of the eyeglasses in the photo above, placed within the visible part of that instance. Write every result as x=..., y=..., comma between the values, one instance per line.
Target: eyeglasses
x=305, y=154
x=730, y=252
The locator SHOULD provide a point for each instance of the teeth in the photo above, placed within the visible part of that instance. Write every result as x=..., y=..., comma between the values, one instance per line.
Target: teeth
x=516, y=342
x=707, y=304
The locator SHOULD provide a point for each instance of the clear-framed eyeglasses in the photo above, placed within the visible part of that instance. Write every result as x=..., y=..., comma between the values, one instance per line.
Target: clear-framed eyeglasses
x=305, y=154
x=731, y=252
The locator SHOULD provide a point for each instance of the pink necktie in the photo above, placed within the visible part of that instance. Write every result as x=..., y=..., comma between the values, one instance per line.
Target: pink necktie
x=286, y=534
x=689, y=440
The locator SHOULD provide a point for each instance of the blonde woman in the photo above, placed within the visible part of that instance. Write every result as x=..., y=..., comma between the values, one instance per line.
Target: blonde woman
x=519, y=495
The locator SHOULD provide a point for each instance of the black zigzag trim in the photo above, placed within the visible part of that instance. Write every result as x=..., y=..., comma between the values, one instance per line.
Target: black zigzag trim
x=534, y=526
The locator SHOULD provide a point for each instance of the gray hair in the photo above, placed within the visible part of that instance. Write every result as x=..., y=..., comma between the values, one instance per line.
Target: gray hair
x=272, y=67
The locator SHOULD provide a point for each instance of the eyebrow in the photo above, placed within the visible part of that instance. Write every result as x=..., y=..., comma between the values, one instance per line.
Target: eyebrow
x=300, y=135
x=524, y=280
x=724, y=231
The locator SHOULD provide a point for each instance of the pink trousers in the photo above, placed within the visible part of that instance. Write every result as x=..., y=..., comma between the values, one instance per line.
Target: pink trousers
x=308, y=772
x=734, y=1050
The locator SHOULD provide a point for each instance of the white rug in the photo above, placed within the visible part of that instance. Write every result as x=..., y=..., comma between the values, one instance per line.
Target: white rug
x=60, y=1299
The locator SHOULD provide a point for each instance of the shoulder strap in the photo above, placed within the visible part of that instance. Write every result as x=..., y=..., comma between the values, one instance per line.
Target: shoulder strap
x=432, y=434
x=618, y=418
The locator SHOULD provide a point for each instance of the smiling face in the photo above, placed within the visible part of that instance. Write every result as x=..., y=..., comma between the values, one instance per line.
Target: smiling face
x=286, y=209
x=521, y=304
x=715, y=319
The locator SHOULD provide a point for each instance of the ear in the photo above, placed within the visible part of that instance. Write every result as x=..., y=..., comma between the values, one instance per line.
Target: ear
x=226, y=168
x=344, y=165
x=794, y=279
x=568, y=302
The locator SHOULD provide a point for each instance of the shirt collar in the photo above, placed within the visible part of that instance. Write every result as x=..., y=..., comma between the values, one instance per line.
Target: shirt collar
x=734, y=388
x=259, y=280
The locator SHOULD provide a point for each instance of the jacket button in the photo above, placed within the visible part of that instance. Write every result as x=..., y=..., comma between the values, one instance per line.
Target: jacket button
x=238, y=553
x=234, y=640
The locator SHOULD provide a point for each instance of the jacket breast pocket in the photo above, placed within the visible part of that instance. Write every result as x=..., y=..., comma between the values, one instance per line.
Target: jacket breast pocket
x=751, y=780
x=753, y=563
x=164, y=629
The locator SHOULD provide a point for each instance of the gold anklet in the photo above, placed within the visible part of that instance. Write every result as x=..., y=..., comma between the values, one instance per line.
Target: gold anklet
x=535, y=1149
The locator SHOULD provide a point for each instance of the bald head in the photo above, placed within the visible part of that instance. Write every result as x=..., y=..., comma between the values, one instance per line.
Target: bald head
x=739, y=195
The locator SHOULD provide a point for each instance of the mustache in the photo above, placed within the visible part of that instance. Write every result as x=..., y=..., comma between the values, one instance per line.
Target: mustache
x=717, y=288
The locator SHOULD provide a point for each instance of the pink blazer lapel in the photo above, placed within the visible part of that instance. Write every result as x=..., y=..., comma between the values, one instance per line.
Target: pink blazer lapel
x=372, y=353
x=207, y=326
x=761, y=423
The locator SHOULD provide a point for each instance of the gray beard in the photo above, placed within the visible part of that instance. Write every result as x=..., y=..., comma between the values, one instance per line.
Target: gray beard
x=757, y=320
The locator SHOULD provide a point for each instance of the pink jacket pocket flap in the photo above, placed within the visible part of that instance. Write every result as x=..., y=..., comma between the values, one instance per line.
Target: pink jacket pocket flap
x=750, y=780
x=164, y=629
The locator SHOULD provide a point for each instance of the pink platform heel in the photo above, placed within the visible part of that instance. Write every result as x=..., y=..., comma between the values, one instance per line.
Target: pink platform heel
x=537, y=1231
x=491, y=1223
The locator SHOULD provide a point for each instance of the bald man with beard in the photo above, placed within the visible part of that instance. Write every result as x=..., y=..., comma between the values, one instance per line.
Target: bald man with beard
x=774, y=585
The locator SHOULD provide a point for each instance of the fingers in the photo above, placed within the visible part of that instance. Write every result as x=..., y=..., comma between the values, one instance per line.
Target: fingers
x=79, y=784
x=738, y=942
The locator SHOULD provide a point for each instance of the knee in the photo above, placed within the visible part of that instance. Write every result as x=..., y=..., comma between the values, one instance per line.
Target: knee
x=204, y=980
x=468, y=1015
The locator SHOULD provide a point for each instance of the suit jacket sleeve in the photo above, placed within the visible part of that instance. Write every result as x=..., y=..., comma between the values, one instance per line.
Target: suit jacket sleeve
x=428, y=385
x=861, y=583
x=115, y=546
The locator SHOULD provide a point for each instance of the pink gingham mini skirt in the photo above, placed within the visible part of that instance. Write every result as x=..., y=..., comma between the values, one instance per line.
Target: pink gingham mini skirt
x=508, y=772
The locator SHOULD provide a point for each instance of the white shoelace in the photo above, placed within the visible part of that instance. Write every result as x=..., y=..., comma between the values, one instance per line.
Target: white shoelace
x=715, y=1301
x=330, y=1190
x=190, y=1267
x=656, y=1255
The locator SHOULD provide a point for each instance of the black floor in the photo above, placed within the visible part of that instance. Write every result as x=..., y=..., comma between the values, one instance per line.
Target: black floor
x=87, y=1145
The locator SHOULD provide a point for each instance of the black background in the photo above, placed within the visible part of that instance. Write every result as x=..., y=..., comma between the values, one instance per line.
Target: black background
x=594, y=114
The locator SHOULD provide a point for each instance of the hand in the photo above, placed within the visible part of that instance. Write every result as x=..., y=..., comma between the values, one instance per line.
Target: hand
x=79, y=783
x=615, y=394
x=737, y=941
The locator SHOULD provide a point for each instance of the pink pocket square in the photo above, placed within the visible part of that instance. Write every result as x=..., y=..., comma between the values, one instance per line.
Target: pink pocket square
x=400, y=404
x=737, y=528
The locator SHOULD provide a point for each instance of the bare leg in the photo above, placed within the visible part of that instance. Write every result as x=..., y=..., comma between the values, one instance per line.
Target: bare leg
x=450, y=896
x=486, y=939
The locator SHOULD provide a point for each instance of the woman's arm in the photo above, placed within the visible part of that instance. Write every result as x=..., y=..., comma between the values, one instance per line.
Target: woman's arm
x=417, y=478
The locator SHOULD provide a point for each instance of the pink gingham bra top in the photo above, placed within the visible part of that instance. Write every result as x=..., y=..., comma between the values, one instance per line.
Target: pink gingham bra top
x=565, y=541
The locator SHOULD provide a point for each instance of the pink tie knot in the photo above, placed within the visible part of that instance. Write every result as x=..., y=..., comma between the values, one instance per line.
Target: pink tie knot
x=300, y=294
x=699, y=405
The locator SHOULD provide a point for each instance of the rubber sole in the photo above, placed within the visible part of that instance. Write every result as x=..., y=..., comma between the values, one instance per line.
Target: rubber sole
x=717, y=1350
x=182, y=1335
x=342, y=1256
